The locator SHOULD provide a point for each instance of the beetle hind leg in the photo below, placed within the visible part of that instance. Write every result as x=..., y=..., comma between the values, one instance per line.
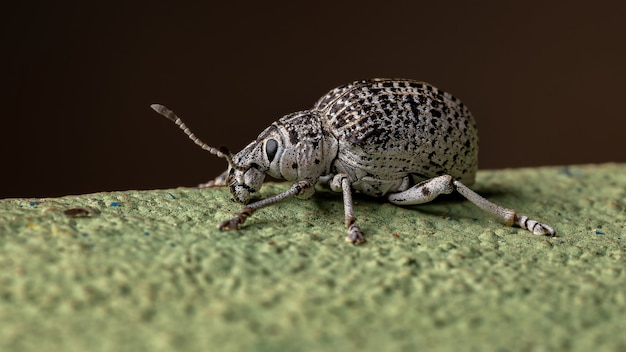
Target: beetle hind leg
x=428, y=190
x=508, y=216
x=424, y=191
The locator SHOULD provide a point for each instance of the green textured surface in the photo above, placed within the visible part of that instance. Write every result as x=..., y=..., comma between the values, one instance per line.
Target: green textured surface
x=149, y=270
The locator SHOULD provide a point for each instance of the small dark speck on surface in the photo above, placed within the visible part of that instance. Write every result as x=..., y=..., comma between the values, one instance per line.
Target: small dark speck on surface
x=80, y=212
x=34, y=204
x=146, y=233
x=171, y=195
x=598, y=232
x=115, y=204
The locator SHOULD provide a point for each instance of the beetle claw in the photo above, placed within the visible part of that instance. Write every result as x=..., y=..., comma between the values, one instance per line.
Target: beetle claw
x=232, y=224
x=355, y=235
x=543, y=230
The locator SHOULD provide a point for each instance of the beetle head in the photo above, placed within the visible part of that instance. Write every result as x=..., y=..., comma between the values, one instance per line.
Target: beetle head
x=293, y=148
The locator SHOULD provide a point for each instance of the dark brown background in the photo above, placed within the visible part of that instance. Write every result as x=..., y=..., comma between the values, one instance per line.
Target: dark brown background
x=545, y=80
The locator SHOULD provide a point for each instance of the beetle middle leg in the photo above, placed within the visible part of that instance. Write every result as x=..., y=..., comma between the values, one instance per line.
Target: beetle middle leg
x=428, y=190
x=342, y=182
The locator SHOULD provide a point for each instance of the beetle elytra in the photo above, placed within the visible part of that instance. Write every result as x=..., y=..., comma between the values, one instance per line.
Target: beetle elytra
x=402, y=139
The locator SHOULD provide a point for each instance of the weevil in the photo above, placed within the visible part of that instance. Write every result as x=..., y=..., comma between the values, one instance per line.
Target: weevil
x=401, y=139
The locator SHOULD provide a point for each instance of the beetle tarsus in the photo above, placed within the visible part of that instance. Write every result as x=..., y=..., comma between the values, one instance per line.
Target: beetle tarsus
x=534, y=226
x=233, y=224
x=355, y=235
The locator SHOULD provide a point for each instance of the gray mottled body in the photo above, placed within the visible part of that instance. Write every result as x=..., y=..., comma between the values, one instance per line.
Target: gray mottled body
x=398, y=138
x=389, y=129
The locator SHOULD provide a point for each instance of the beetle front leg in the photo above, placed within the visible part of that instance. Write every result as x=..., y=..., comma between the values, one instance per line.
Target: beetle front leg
x=302, y=189
x=341, y=181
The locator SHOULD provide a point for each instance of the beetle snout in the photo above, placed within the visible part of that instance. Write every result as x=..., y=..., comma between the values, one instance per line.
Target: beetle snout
x=241, y=193
x=246, y=183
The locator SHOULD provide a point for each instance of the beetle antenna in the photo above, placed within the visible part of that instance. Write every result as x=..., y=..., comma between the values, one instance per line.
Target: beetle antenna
x=222, y=152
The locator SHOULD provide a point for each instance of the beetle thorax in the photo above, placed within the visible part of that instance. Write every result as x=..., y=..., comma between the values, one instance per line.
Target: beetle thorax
x=305, y=151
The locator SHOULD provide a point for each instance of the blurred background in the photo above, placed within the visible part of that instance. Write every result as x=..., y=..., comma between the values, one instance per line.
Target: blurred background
x=544, y=79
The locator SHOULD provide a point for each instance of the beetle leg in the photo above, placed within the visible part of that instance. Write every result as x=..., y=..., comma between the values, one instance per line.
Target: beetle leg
x=219, y=181
x=302, y=188
x=508, y=216
x=424, y=191
x=355, y=235
x=428, y=190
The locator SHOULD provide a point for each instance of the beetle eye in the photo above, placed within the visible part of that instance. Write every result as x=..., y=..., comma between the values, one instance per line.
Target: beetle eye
x=271, y=147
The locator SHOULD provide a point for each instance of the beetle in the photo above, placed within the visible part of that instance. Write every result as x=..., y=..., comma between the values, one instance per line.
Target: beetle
x=397, y=138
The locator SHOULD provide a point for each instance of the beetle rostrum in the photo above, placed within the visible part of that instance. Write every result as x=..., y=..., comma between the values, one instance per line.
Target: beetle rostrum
x=396, y=138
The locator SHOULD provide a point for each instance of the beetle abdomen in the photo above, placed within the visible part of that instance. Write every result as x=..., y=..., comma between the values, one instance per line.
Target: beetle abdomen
x=390, y=128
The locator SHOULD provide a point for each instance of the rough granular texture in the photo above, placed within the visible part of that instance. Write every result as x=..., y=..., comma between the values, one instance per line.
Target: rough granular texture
x=149, y=271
